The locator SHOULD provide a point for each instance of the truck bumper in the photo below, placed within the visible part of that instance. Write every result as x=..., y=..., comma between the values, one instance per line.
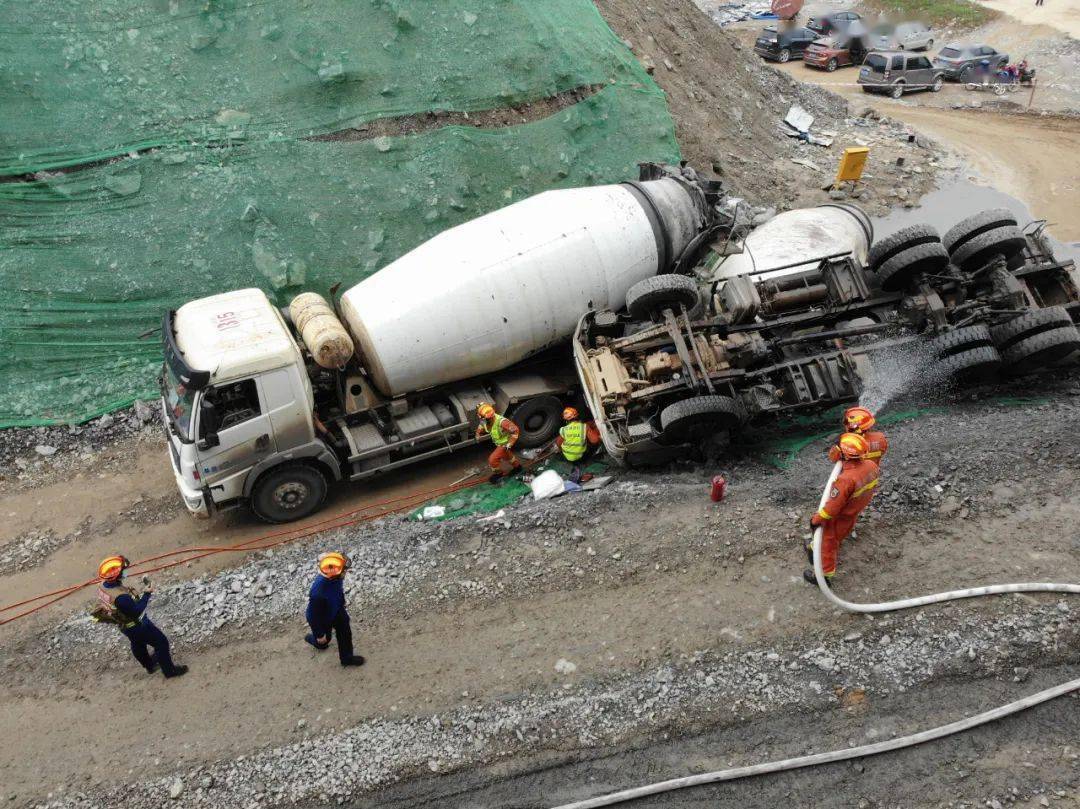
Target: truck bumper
x=196, y=500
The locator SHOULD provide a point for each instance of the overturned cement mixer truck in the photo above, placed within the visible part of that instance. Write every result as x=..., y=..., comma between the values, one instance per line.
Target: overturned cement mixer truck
x=391, y=373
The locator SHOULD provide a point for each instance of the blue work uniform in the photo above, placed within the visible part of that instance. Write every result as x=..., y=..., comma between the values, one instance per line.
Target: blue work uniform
x=139, y=630
x=326, y=614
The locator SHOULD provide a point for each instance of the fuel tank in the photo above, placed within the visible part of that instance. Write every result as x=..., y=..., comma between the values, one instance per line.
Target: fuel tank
x=490, y=292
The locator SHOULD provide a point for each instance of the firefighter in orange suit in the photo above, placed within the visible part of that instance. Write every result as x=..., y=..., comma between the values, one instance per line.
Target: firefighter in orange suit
x=851, y=492
x=504, y=434
x=859, y=420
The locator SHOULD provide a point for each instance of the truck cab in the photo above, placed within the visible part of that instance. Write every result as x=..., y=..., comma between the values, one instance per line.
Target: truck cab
x=237, y=400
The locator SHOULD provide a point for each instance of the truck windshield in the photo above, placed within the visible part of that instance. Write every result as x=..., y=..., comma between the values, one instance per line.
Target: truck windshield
x=179, y=403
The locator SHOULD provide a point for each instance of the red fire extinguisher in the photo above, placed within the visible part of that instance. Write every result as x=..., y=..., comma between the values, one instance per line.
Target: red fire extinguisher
x=719, y=486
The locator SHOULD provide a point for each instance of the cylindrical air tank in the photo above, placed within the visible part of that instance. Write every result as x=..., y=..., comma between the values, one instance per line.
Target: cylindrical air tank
x=801, y=238
x=492, y=291
x=322, y=332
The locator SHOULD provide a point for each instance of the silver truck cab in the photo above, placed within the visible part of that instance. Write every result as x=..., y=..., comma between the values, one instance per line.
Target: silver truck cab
x=237, y=401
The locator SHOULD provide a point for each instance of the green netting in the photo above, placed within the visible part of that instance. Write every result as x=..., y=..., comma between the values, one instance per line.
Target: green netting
x=90, y=79
x=485, y=498
x=90, y=259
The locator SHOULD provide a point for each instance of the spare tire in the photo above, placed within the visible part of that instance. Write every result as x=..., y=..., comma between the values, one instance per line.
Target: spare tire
x=961, y=340
x=898, y=272
x=1029, y=324
x=1007, y=240
x=1031, y=353
x=967, y=229
x=699, y=416
x=901, y=240
x=970, y=365
x=652, y=295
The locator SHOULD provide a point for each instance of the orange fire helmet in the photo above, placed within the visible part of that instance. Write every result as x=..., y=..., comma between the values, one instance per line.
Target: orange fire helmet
x=113, y=568
x=853, y=446
x=858, y=419
x=569, y=414
x=485, y=411
x=333, y=564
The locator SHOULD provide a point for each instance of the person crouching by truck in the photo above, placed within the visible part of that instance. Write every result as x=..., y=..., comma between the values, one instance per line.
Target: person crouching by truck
x=120, y=605
x=326, y=613
x=577, y=441
x=504, y=434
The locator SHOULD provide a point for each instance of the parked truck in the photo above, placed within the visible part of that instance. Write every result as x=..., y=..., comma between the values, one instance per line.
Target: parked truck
x=269, y=408
x=792, y=317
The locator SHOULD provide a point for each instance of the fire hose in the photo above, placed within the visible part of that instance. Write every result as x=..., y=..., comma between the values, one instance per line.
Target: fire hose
x=861, y=751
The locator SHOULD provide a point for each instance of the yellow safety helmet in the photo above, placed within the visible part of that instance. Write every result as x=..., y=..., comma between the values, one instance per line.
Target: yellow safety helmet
x=113, y=568
x=853, y=446
x=485, y=410
x=569, y=414
x=333, y=564
x=858, y=419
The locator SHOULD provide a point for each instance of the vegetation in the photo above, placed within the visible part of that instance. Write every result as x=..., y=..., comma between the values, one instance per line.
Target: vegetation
x=938, y=13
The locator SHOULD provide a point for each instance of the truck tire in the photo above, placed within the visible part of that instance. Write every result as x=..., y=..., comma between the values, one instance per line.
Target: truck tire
x=971, y=365
x=967, y=229
x=886, y=248
x=898, y=272
x=961, y=340
x=538, y=419
x=1029, y=324
x=645, y=298
x=288, y=493
x=699, y=416
x=1007, y=240
x=1038, y=350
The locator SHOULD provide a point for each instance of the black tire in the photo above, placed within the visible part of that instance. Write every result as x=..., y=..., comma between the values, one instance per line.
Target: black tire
x=538, y=419
x=899, y=271
x=1007, y=241
x=936, y=86
x=961, y=340
x=698, y=417
x=785, y=56
x=967, y=229
x=897, y=91
x=288, y=493
x=1031, y=353
x=1029, y=324
x=831, y=65
x=655, y=294
x=965, y=73
x=974, y=364
x=904, y=238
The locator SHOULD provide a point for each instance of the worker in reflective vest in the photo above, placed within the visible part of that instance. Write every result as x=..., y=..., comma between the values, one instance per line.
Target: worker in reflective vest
x=851, y=492
x=859, y=420
x=504, y=434
x=577, y=441
x=119, y=605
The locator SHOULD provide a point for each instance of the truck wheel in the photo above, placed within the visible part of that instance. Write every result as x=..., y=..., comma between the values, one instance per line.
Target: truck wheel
x=288, y=493
x=967, y=229
x=1028, y=324
x=538, y=419
x=698, y=417
x=1038, y=350
x=901, y=269
x=1007, y=241
x=653, y=295
x=972, y=365
x=904, y=238
x=959, y=340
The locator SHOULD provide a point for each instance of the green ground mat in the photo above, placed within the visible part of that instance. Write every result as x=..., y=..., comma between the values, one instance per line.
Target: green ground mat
x=81, y=81
x=91, y=259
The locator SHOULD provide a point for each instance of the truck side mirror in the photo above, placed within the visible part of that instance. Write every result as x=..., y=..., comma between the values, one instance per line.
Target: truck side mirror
x=208, y=425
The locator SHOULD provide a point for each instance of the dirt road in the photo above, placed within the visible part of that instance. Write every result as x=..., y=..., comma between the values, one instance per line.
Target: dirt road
x=1064, y=15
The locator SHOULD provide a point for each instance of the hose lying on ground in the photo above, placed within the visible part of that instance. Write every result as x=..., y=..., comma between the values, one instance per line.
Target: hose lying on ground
x=736, y=773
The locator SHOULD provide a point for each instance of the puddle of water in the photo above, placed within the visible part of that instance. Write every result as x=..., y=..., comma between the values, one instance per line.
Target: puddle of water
x=956, y=200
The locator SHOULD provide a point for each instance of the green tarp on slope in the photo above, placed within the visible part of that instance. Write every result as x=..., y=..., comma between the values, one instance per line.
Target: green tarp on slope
x=96, y=78
x=90, y=259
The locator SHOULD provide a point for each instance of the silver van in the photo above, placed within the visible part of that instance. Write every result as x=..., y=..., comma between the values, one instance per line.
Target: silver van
x=896, y=72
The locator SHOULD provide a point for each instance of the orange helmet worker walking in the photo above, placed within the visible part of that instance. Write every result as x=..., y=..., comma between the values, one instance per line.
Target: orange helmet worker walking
x=504, y=434
x=851, y=492
x=859, y=420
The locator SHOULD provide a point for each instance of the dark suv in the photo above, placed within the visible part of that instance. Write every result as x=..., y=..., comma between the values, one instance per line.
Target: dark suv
x=783, y=46
x=961, y=62
x=897, y=72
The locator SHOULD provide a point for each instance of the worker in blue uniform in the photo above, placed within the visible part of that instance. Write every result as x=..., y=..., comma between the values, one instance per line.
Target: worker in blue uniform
x=326, y=613
x=119, y=605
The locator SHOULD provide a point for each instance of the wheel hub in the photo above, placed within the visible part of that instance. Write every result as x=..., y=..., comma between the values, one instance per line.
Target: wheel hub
x=290, y=495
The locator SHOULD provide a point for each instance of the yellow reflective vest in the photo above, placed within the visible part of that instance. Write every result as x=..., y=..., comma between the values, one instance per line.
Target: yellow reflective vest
x=575, y=441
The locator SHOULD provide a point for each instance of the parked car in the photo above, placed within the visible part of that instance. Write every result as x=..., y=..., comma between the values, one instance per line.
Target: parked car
x=828, y=23
x=959, y=62
x=783, y=46
x=829, y=53
x=907, y=36
x=897, y=72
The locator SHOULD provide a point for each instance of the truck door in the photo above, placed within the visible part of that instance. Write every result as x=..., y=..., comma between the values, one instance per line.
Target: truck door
x=234, y=434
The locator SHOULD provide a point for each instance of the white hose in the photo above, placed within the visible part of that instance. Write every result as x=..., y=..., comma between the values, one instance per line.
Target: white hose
x=867, y=749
